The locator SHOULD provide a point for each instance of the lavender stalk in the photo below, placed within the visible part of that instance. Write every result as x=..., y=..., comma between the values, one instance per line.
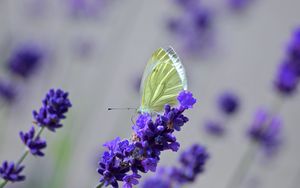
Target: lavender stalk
x=49, y=116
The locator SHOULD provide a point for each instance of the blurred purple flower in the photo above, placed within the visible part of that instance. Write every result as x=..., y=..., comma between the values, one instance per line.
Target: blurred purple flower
x=228, y=103
x=288, y=73
x=156, y=182
x=25, y=59
x=193, y=27
x=294, y=47
x=239, y=5
x=266, y=130
x=214, y=128
x=8, y=91
x=192, y=162
x=86, y=8
x=161, y=179
x=189, y=4
x=286, y=81
x=142, y=152
x=9, y=171
x=34, y=144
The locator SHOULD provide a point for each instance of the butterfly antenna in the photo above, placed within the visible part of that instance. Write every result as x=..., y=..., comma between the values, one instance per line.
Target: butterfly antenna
x=121, y=109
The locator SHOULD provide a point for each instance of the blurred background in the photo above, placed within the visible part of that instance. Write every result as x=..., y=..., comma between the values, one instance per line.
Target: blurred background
x=97, y=50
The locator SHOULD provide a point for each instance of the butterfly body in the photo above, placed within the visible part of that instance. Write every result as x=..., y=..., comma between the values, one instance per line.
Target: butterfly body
x=164, y=77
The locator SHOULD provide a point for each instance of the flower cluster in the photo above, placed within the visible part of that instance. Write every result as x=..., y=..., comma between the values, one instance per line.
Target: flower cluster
x=228, y=104
x=11, y=171
x=288, y=74
x=142, y=152
x=25, y=60
x=265, y=130
x=192, y=163
x=55, y=105
x=193, y=28
x=33, y=142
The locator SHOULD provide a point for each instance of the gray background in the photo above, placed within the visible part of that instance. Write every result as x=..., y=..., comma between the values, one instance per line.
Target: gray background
x=248, y=48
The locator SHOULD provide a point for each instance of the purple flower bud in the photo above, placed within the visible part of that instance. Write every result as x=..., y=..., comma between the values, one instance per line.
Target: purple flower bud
x=149, y=164
x=186, y=99
x=287, y=79
x=55, y=105
x=266, y=130
x=288, y=73
x=228, y=103
x=131, y=180
x=35, y=144
x=11, y=172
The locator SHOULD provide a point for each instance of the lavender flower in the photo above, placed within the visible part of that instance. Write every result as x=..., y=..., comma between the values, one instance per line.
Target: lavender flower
x=25, y=60
x=186, y=99
x=7, y=91
x=288, y=74
x=55, y=105
x=228, y=103
x=265, y=130
x=192, y=163
x=214, y=128
x=193, y=27
x=142, y=152
x=33, y=142
x=287, y=80
x=9, y=171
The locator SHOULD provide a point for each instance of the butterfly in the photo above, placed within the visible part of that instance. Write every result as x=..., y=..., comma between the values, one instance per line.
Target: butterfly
x=164, y=77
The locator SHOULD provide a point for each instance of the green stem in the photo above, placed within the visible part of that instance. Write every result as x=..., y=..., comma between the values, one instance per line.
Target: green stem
x=3, y=183
x=23, y=156
x=100, y=185
x=40, y=132
x=243, y=167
